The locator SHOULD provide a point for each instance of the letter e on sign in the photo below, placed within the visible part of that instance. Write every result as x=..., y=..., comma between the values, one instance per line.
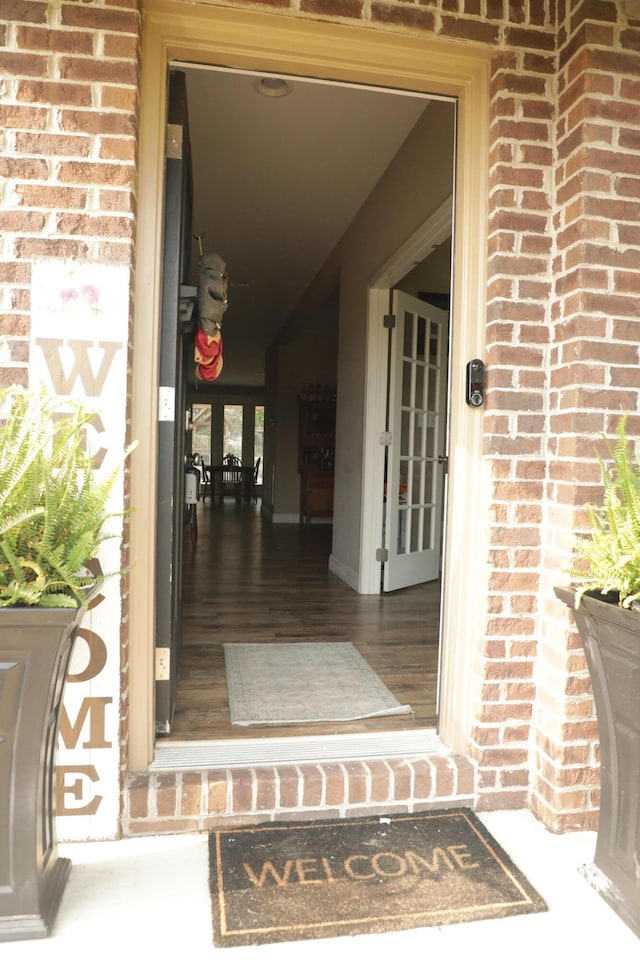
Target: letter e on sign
x=79, y=788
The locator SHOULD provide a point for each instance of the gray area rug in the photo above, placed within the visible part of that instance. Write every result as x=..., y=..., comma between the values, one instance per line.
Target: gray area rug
x=303, y=683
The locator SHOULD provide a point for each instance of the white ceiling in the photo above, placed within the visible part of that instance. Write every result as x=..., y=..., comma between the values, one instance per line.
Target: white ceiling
x=276, y=183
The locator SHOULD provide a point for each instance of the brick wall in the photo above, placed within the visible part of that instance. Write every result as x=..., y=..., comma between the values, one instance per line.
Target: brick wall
x=196, y=800
x=68, y=114
x=562, y=300
x=519, y=284
x=68, y=109
x=563, y=357
x=594, y=362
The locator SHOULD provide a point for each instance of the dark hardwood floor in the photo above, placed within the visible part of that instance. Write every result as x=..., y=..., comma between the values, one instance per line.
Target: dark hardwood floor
x=252, y=581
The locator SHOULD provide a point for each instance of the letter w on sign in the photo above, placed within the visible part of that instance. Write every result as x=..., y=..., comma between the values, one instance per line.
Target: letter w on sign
x=82, y=368
x=267, y=870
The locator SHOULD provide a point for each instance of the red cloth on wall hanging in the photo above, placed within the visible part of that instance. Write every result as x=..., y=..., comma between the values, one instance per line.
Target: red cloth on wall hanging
x=208, y=355
x=212, y=302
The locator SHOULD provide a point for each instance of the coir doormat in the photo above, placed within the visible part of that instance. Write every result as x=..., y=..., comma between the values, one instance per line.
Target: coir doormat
x=328, y=878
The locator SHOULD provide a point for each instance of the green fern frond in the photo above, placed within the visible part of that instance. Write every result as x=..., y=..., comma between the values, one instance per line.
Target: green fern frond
x=611, y=555
x=53, y=506
x=9, y=523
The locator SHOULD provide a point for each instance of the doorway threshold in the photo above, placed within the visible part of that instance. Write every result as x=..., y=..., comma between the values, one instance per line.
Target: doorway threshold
x=260, y=751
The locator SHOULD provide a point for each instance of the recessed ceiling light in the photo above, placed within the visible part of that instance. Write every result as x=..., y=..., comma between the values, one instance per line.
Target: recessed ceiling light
x=271, y=86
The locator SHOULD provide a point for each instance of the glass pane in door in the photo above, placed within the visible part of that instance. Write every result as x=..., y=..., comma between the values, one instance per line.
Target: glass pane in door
x=232, y=441
x=201, y=423
x=258, y=443
x=417, y=412
x=418, y=396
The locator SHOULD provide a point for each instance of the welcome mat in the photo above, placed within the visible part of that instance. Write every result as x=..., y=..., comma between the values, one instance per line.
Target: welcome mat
x=330, y=878
x=303, y=683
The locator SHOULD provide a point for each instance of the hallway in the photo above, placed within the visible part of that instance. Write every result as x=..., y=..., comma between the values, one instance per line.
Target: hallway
x=252, y=581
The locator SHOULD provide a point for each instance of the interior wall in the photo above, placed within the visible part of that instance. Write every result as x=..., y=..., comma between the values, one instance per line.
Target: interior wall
x=416, y=183
x=311, y=358
x=433, y=275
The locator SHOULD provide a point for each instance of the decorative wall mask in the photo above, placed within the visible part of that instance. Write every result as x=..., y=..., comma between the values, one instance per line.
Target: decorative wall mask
x=212, y=301
x=212, y=293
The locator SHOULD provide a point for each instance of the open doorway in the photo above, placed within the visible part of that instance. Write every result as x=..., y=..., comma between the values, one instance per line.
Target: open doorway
x=313, y=331
x=245, y=40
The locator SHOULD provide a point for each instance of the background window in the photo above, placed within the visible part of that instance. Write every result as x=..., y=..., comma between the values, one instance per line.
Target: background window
x=258, y=440
x=201, y=440
x=232, y=442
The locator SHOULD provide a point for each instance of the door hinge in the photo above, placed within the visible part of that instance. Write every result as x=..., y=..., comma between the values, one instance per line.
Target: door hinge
x=386, y=438
x=382, y=554
x=166, y=404
x=173, y=146
x=163, y=663
x=389, y=321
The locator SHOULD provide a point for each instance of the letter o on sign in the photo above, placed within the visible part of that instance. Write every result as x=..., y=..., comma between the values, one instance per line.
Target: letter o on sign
x=97, y=657
x=389, y=859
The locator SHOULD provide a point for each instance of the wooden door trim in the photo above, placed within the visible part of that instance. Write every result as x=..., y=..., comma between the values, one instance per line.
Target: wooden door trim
x=251, y=40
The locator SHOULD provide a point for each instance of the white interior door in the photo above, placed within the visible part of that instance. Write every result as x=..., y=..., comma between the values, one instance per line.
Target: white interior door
x=416, y=462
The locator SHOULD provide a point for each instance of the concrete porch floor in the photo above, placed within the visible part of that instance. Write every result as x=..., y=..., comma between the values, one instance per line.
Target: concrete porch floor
x=148, y=896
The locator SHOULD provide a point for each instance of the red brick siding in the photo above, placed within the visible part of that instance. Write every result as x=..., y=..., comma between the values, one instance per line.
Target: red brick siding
x=59, y=62
x=197, y=800
x=593, y=364
x=69, y=109
x=519, y=274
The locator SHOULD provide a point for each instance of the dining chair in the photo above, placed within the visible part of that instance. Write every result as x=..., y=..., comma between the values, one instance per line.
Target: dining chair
x=204, y=476
x=191, y=496
x=206, y=486
x=232, y=475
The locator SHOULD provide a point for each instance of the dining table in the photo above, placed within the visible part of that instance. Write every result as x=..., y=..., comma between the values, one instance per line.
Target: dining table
x=222, y=476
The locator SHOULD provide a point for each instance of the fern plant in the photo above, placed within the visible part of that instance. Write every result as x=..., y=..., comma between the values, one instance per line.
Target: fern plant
x=612, y=552
x=53, y=508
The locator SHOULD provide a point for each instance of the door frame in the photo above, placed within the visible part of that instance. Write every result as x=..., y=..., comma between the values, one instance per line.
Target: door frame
x=175, y=32
x=462, y=583
x=434, y=231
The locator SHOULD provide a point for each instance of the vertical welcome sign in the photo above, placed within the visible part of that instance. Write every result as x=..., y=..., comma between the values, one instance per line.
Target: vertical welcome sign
x=79, y=324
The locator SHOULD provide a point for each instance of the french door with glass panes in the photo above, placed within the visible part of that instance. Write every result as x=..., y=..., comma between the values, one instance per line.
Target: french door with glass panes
x=416, y=464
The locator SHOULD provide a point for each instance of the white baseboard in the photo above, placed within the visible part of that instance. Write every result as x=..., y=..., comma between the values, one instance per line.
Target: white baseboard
x=344, y=572
x=285, y=517
x=295, y=518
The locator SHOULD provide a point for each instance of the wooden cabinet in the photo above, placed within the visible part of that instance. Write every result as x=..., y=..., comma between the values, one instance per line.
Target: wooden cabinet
x=316, y=447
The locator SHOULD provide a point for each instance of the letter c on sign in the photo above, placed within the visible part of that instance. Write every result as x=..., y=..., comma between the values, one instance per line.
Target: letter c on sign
x=357, y=876
x=400, y=861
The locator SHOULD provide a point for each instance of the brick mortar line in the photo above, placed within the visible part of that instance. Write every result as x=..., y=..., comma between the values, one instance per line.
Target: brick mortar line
x=254, y=790
x=300, y=785
x=277, y=790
